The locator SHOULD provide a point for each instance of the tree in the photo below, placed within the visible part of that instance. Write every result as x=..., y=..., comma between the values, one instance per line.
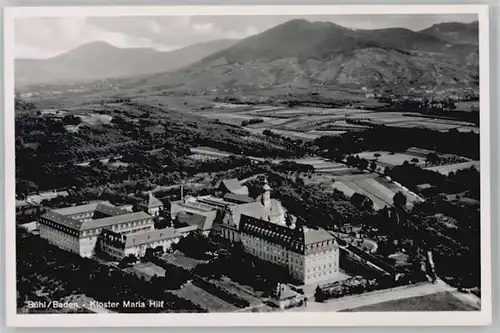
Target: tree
x=373, y=166
x=399, y=200
x=363, y=164
x=319, y=294
x=288, y=219
x=432, y=158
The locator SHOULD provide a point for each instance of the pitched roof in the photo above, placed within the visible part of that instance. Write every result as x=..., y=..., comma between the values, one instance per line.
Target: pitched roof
x=285, y=292
x=202, y=222
x=231, y=184
x=312, y=236
x=152, y=201
x=294, y=240
x=238, y=198
x=150, y=236
x=81, y=208
x=257, y=210
x=112, y=220
x=91, y=224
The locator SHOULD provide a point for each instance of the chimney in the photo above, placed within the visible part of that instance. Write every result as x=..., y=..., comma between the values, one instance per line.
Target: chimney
x=182, y=192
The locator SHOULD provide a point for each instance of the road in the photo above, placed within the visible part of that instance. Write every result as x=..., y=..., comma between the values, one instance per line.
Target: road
x=386, y=295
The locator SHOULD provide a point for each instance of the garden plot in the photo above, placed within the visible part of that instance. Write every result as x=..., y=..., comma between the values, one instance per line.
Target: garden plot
x=203, y=298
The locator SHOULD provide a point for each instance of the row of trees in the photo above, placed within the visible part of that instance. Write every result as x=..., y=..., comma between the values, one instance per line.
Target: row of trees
x=399, y=140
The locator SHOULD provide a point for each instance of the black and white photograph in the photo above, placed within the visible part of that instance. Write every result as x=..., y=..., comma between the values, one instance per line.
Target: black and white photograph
x=268, y=166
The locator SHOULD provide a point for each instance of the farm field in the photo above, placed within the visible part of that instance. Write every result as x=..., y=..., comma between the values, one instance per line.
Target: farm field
x=446, y=169
x=203, y=298
x=375, y=188
x=444, y=301
x=309, y=123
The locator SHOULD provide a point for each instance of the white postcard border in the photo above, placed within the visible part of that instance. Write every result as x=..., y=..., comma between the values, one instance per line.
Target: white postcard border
x=304, y=319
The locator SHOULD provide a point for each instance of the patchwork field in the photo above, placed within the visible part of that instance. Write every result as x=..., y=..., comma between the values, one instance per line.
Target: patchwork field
x=309, y=123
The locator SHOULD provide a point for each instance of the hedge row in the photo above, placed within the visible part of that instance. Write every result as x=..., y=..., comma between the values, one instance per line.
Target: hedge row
x=354, y=285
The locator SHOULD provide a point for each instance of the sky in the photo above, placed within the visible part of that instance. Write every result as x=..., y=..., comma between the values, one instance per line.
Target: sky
x=48, y=37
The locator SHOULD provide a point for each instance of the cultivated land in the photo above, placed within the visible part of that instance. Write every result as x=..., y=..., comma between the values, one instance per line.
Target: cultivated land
x=309, y=123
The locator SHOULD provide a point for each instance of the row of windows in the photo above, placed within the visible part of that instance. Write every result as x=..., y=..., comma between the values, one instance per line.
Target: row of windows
x=321, y=256
x=81, y=216
x=57, y=226
x=324, y=267
x=320, y=275
x=130, y=224
x=290, y=242
x=274, y=250
x=322, y=244
x=113, y=251
x=277, y=259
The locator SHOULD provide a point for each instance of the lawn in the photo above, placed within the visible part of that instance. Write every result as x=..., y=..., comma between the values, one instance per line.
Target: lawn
x=245, y=292
x=437, y=302
x=147, y=269
x=181, y=260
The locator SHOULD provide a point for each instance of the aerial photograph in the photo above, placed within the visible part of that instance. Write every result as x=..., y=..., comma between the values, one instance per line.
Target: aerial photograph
x=247, y=163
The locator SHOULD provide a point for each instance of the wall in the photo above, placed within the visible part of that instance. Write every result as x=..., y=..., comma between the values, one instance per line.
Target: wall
x=321, y=266
x=60, y=239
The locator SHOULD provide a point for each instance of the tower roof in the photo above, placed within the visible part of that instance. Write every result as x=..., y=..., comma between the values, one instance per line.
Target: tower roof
x=153, y=202
x=266, y=186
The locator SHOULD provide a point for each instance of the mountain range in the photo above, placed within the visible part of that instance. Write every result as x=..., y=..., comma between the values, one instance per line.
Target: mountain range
x=100, y=60
x=296, y=53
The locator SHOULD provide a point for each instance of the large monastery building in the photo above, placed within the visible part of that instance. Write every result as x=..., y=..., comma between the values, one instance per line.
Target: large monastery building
x=77, y=229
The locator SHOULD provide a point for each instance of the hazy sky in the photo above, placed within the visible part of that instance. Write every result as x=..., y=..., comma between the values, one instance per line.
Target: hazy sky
x=46, y=37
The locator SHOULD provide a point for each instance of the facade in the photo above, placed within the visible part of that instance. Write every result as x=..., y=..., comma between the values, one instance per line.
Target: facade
x=77, y=229
x=310, y=255
x=121, y=245
x=264, y=208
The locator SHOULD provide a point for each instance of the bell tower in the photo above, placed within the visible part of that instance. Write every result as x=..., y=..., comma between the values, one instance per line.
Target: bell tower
x=266, y=195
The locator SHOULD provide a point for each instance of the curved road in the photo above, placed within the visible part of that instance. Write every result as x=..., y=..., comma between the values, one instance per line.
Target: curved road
x=375, y=297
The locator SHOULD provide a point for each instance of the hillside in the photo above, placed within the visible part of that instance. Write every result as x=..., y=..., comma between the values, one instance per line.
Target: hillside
x=454, y=32
x=99, y=60
x=299, y=53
